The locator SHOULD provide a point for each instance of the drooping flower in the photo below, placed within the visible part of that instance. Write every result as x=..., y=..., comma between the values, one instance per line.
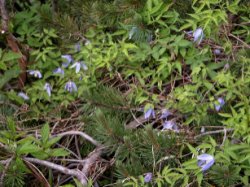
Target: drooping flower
x=148, y=177
x=79, y=65
x=198, y=35
x=35, y=73
x=221, y=102
x=149, y=113
x=170, y=125
x=77, y=47
x=48, y=88
x=87, y=42
x=58, y=71
x=68, y=60
x=132, y=32
x=205, y=161
x=217, y=52
x=23, y=95
x=203, y=129
x=227, y=66
x=165, y=113
x=70, y=86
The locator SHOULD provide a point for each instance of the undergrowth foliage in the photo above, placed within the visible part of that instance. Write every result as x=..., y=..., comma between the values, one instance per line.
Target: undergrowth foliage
x=125, y=93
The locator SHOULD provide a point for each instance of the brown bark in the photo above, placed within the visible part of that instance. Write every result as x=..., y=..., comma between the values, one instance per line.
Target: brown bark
x=13, y=43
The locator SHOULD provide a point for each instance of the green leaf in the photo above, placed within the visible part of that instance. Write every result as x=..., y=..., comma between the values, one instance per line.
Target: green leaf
x=8, y=75
x=59, y=152
x=45, y=133
x=40, y=155
x=27, y=148
x=192, y=149
x=11, y=125
x=51, y=142
x=3, y=66
x=184, y=43
x=11, y=56
x=199, y=178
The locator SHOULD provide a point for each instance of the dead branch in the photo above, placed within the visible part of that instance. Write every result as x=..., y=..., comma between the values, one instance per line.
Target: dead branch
x=79, y=133
x=72, y=172
x=213, y=132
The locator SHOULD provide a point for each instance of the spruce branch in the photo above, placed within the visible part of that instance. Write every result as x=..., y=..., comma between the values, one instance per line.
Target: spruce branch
x=7, y=164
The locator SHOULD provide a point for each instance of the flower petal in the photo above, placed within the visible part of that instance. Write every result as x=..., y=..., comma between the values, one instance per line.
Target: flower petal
x=205, y=161
x=148, y=177
x=48, y=88
x=23, y=95
x=148, y=113
x=68, y=59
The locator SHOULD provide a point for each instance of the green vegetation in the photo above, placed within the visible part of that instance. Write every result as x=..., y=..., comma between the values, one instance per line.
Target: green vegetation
x=125, y=93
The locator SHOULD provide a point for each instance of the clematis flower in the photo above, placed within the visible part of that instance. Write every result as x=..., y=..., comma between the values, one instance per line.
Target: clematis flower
x=149, y=113
x=23, y=95
x=87, y=42
x=35, y=73
x=170, y=125
x=148, y=177
x=132, y=32
x=220, y=105
x=79, y=65
x=68, y=59
x=77, y=47
x=70, y=86
x=48, y=88
x=165, y=113
x=58, y=71
x=217, y=51
x=198, y=35
x=205, y=161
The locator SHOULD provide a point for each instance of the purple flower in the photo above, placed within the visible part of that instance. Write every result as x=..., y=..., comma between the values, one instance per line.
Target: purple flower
x=68, y=59
x=70, y=86
x=170, y=125
x=35, y=73
x=220, y=105
x=165, y=113
x=203, y=129
x=48, y=88
x=217, y=51
x=77, y=47
x=198, y=35
x=87, y=42
x=227, y=66
x=205, y=161
x=148, y=177
x=58, y=71
x=79, y=65
x=150, y=112
x=132, y=32
x=23, y=95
